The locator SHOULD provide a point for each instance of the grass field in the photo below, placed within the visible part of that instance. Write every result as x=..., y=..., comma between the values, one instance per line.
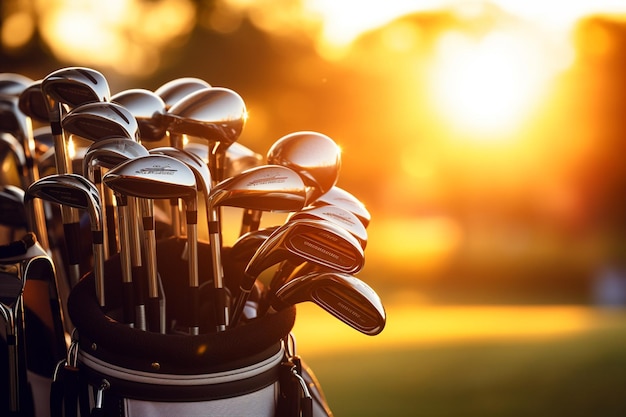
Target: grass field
x=438, y=361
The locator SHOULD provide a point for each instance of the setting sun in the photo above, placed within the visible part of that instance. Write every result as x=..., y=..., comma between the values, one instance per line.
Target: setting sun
x=487, y=86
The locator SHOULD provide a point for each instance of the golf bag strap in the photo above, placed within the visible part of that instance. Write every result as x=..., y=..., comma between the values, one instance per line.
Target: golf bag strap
x=300, y=394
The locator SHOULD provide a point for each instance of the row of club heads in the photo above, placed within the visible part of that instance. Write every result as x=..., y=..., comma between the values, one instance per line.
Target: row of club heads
x=319, y=248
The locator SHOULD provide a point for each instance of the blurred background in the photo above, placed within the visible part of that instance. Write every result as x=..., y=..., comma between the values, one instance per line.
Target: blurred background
x=485, y=138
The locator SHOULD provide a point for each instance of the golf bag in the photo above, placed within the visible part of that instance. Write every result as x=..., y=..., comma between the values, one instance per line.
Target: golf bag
x=32, y=339
x=113, y=369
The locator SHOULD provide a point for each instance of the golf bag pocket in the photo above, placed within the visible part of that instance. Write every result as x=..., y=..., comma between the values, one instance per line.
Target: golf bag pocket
x=113, y=369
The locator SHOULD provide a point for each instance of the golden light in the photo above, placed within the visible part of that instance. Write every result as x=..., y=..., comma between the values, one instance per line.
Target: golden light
x=344, y=21
x=429, y=242
x=107, y=34
x=17, y=30
x=487, y=86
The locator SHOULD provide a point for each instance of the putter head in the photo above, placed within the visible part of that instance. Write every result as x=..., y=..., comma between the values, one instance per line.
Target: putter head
x=148, y=108
x=101, y=120
x=266, y=188
x=344, y=296
x=215, y=114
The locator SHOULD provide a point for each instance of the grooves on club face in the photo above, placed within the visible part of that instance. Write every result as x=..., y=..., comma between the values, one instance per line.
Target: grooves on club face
x=312, y=240
x=344, y=296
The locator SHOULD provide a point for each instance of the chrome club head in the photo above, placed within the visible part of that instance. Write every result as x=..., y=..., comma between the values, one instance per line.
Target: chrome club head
x=337, y=215
x=339, y=197
x=344, y=296
x=173, y=91
x=101, y=120
x=315, y=156
x=214, y=114
x=148, y=108
x=76, y=191
x=33, y=103
x=75, y=86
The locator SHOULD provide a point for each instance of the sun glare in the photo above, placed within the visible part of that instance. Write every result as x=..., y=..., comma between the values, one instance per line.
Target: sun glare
x=488, y=85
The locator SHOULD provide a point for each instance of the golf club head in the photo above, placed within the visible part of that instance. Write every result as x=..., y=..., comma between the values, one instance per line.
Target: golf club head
x=339, y=197
x=9, y=145
x=152, y=177
x=173, y=91
x=12, y=120
x=315, y=156
x=215, y=114
x=101, y=120
x=309, y=240
x=13, y=84
x=148, y=108
x=33, y=103
x=240, y=158
x=343, y=295
x=71, y=190
x=337, y=215
x=197, y=165
x=266, y=188
x=109, y=153
x=246, y=245
x=75, y=86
